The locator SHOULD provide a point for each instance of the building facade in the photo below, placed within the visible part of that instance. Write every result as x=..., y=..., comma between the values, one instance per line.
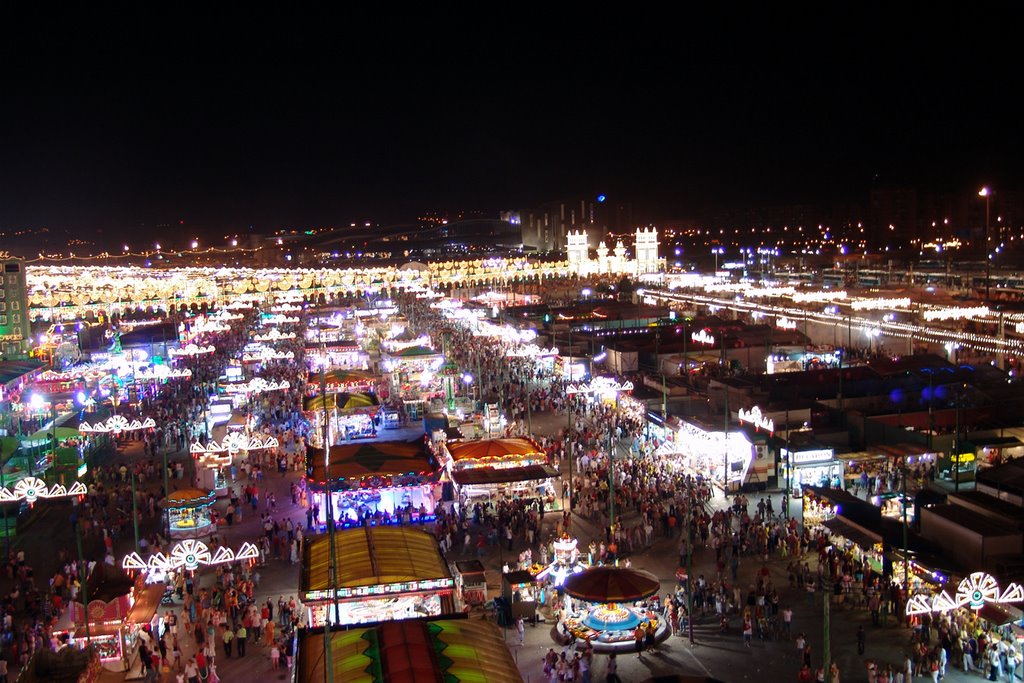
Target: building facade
x=15, y=329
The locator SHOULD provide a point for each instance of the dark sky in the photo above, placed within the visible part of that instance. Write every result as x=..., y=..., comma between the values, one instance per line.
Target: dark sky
x=227, y=129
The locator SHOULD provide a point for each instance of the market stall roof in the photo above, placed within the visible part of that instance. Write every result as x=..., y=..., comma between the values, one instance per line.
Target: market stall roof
x=493, y=449
x=11, y=370
x=995, y=615
x=375, y=458
x=373, y=555
x=503, y=475
x=997, y=442
x=344, y=377
x=415, y=352
x=840, y=526
x=519, y=577
x=449, y=650
x=357, y=402
x=146, y=604
x=190, y=498
x=607, y=584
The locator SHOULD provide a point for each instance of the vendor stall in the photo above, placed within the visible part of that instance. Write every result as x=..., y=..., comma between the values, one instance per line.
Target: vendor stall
x=812, y=466
x=471, y=581
x=522, y=592
x=381, y=482
x=864, y=544
x=189, y=513
x=616, y=596
x=382, y=574
x=501, y=469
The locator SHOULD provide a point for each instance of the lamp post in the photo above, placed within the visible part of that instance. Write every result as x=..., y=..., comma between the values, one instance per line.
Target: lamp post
x=987, y=193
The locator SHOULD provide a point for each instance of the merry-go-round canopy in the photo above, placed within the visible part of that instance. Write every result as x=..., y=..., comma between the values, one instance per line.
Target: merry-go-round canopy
x=607, y=584
x=377, y=459
x=187, y=498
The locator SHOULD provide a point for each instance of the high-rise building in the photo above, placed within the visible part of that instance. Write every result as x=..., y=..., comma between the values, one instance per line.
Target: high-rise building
x=15, y=331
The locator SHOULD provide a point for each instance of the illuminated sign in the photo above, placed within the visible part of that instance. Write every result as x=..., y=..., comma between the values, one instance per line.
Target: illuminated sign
x=31, y=489
x=963, y=457
x=382, y=589
x=756, y=418
x=116, y=424
x=189, y=555
x=804, y=457
x=785, y=323
x=703, y=337
x=974, y=592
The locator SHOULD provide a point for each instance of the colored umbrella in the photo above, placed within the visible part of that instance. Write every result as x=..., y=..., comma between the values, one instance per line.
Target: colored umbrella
x=608, y=584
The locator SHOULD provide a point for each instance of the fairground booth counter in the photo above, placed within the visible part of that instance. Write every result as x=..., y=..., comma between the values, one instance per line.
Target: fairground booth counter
x=500, y=468
x=351, y=416
x=345, y=354
x=119, y=609
x=704, y=447
x=378, y=482
x=853, y=525
x=449, y=650
x=382, y=573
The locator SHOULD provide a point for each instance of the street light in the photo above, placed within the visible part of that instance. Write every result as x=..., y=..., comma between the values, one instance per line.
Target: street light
x=987, y=193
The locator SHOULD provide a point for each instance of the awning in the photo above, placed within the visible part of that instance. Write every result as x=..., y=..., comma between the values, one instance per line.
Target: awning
x=503, y=475
x=146, y=604
x=998, y=442
x=99, y=630
x=843, y=528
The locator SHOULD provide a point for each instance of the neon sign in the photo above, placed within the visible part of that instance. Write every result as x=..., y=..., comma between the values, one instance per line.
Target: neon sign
x=32, y=488
x=974, y=592
x=116, y=424
x=703, y=337
x=755, y=417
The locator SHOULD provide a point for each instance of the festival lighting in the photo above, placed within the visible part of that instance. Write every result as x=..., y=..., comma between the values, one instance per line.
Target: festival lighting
x=116, y=424
x=275, y=335
x=267, y=355
x=257, y=385
x=192, y=350
x=955, y=313
x=880, y=304
x=234, y=442
x=159, y=372
x=189, y=555
x=974, y=591
x=31, y=489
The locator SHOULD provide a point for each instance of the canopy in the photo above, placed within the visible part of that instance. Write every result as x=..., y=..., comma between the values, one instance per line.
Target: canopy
x=343, y=377
x=450, y=650
x=369, y=459
x=373, y=556
x=494, y=449
x=503, y=475
x=607, y=584
x=415, y=352
x=345, y=402
x=190, y=498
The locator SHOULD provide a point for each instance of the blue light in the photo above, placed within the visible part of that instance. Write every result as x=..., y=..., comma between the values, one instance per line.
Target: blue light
x=601, y=198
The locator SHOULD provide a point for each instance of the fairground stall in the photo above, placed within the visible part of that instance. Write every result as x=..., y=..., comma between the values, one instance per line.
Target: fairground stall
x=213, y=458
x=812, y=466
x=189, y=513
x=383, y=574
x=344, y=354
x=704, y=448
x=352, y=415
x=384, y=482
x=449, y=650
x=500, y=468
x=471, y=580
x=612, y=604
x=412, y=375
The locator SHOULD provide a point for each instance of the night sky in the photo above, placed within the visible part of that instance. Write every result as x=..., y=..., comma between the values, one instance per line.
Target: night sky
x=225, y=131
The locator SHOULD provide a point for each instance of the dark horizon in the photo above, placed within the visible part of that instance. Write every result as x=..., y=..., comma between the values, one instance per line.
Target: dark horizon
x=677, y=131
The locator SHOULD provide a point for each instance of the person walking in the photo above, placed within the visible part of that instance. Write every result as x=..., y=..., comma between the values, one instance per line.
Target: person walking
x=521, y=630
x=638, y=640
x=861, y=640
x=612, y=672
x=241, y=635
x=227, y=637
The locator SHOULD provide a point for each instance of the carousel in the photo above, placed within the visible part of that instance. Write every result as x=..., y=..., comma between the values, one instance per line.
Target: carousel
x=617, y=598
x=189, y=513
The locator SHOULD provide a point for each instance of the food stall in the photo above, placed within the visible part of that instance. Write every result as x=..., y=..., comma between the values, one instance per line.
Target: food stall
x=817, y=509
x=189, y=513
x=522, y=593
x=704, y=448
x=500, y=469
x=471, y=580
x=352, y=416
x=109, y=593
x=376, y=481
x=812, y=466
x=383, y=574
